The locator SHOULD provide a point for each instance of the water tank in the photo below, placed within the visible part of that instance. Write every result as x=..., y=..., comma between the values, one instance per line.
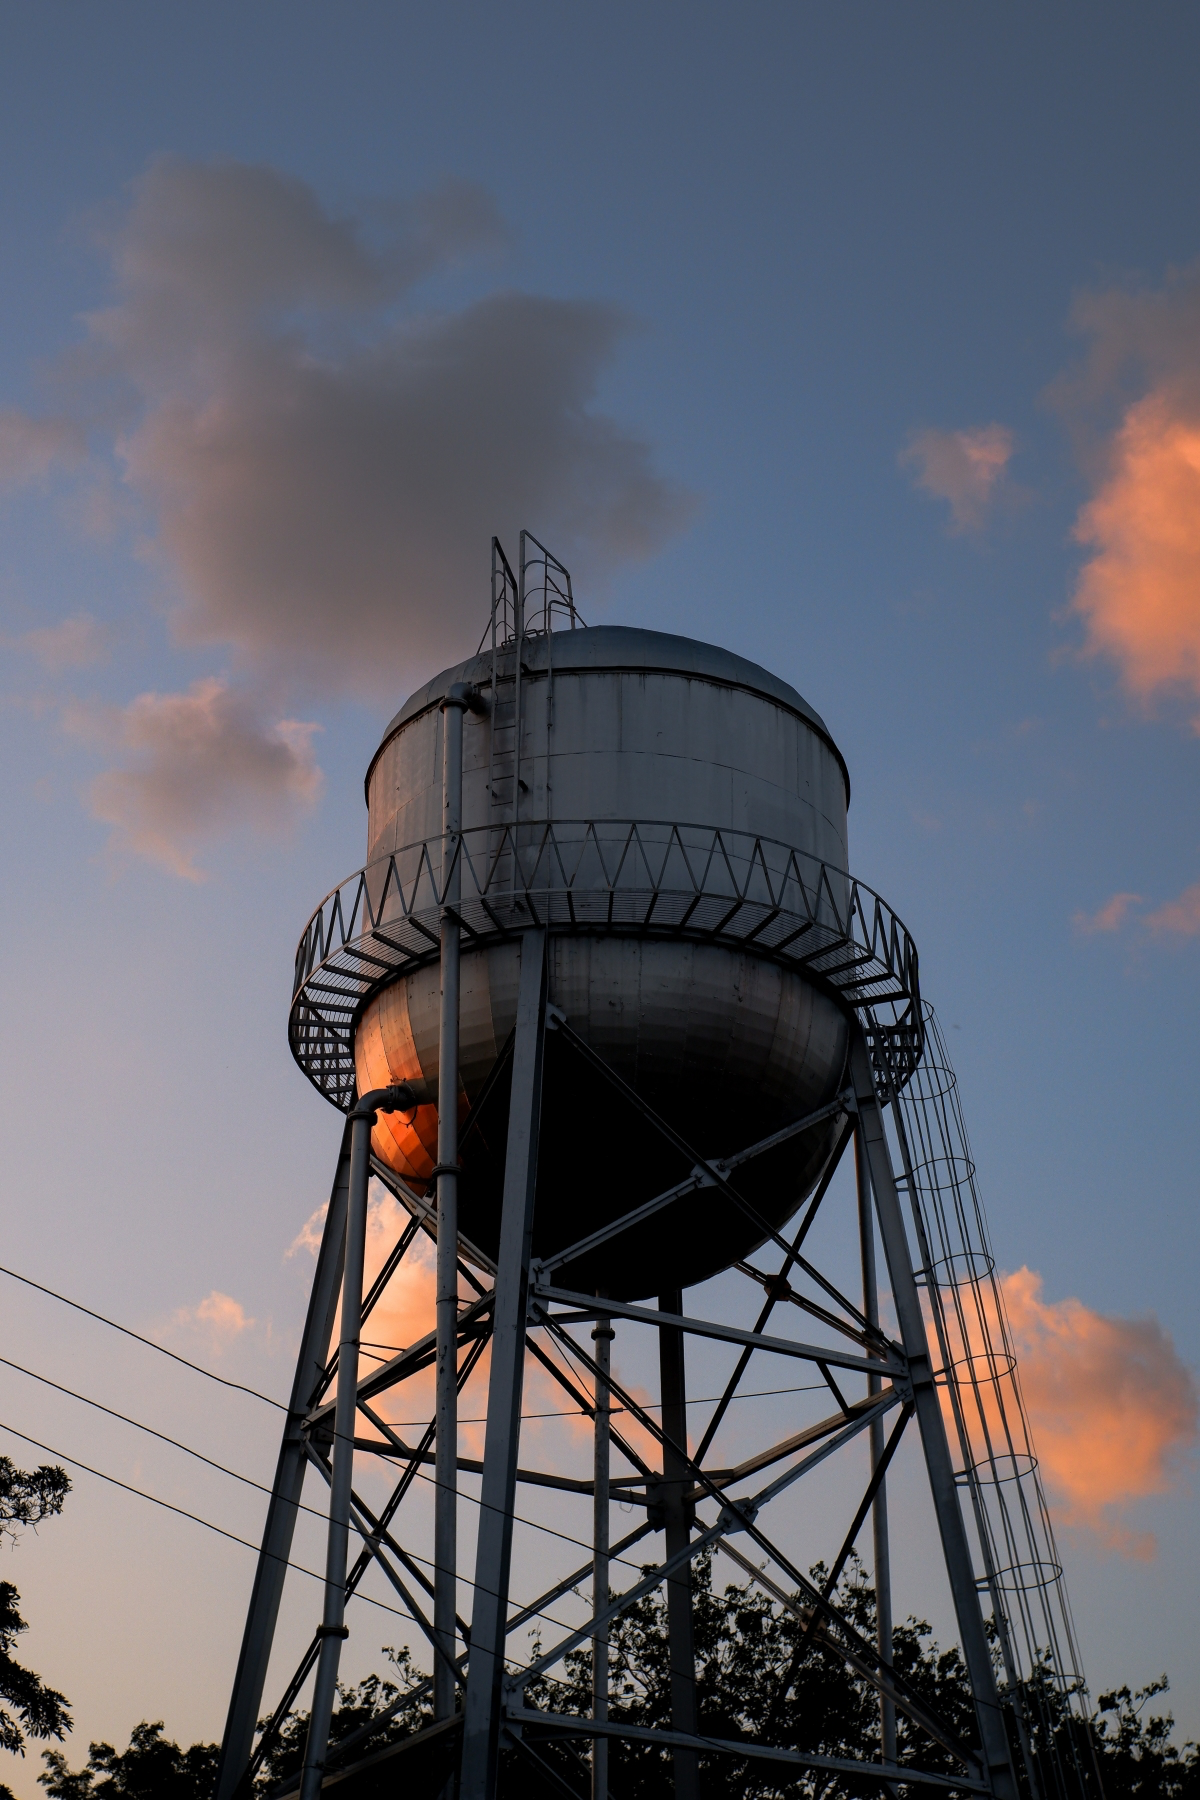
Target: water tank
x=616, y=759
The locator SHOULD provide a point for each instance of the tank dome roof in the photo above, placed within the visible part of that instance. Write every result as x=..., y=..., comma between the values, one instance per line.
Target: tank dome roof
x=626, y=647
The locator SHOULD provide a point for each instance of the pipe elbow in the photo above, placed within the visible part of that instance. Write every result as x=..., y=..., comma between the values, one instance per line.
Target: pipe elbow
x=467, y=697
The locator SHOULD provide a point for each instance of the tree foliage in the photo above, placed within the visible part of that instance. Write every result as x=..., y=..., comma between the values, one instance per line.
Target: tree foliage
x=759, y=1674
x=153, y=1768
x=27, y=1496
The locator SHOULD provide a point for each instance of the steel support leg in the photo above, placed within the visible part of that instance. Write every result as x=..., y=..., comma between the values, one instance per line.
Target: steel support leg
x=248, y=1683
x=882, y=1558
x=333, y=1626
x=955, y=1548
x=603, y=1336
x=493, y=1556
x=678, y=1531
x=445, y=1527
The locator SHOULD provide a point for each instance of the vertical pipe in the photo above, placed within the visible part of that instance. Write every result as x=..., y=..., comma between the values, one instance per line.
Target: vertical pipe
x=603, y=1336
x=956, y=1550
x=333, y=1627
x=445, y=1527
x=678, y=1531
x=483, y=1714
x=879, y=1518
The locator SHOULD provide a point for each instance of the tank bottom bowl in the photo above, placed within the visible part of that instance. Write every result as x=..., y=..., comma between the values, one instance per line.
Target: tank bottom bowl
x=725, y=1046
x=600, y=1157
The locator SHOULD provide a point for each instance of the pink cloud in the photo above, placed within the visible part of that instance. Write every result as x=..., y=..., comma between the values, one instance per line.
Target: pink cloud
x=1177, y=918
x=30, y=448
x=73, y=643
x=964, y=468
x=193, y=764
x=1110, y=917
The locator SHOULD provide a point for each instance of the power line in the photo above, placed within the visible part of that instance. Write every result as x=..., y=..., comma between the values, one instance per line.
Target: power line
x=182, y=1511
x=239, y=1386
x=149, y=1430
x=232, y=1536
x=249, y=1480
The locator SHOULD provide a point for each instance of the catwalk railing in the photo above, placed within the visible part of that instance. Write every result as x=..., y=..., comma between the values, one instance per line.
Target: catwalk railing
x=646, y=878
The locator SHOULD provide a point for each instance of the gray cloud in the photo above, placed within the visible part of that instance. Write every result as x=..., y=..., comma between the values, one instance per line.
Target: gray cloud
x=30, y=448
x=964, y=468
x=192, y=765
x=325, y=468
x=319, y=466
x=73, y=643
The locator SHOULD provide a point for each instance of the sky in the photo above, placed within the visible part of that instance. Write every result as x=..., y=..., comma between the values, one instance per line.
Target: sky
x=864, y=341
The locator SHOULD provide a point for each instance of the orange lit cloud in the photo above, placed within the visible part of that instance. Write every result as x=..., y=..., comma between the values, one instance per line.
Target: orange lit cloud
x=219, y=1319
x=1112, y=1408
x=964, y=468
x=559, y=1443
x=1138, y=593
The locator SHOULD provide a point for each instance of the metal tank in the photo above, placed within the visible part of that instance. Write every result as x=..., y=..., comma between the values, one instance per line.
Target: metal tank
x=625, y=763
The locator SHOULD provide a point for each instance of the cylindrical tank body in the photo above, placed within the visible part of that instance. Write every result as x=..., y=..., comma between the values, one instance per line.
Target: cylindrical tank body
x=614, y=724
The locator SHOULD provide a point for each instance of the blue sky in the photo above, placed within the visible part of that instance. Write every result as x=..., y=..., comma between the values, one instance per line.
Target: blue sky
x=877, y=302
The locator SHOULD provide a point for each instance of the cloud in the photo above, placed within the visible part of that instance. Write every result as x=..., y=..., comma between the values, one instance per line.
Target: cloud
x=965, y=468
x=219, y=1318
x=1173, y=920
x=1112, y=1408
x=31, y=448
x=1135, y=405
x=194, y=764
x=1110, y=917
x=1177, y=918
x=324, y=464
x=73, y=643
x=405, y=1312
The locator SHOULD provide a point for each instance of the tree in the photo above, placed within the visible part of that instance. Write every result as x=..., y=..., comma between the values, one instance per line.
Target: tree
x=26, y=1498
x=761, y=1673
x=1136, y=1754
x=153, y=1768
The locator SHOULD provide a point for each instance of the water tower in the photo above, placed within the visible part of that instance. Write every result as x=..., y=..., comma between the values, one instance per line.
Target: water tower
x=604, y=1012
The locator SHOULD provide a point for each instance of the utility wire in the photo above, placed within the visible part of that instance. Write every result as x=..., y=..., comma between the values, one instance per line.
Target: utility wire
x=220, y=1530
x=239, y=1386
x=182, y=1511
x=396, y=1455
x=150, y=1431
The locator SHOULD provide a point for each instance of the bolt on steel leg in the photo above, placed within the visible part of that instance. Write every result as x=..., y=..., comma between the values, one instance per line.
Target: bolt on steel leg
x=603, y=1336
x=882, y=1556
